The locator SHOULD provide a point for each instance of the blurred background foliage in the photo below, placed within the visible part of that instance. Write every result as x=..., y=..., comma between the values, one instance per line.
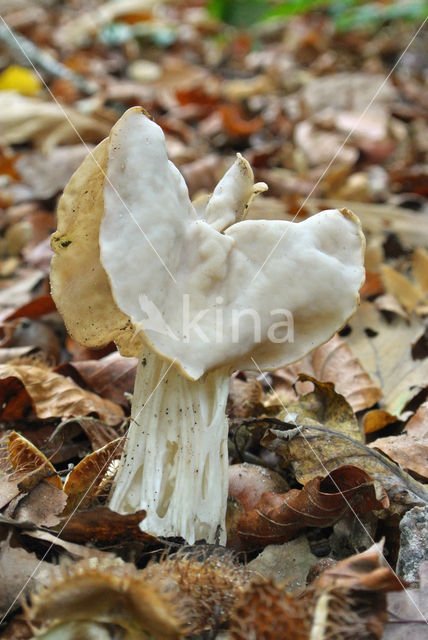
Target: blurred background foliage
x=347, y=14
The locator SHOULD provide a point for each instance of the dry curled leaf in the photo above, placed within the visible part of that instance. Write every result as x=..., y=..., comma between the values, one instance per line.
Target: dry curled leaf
x=276, y=518
x=333, y=362
x=16, y=568
x=100, y=524
x=323, y=406
x=396, y=284
x=245, y=398
x=24, y=119
x=398, y=375
x=51, y=395
x=111, y=376
x=41, y=506
x=410, y=449
x=311, y=450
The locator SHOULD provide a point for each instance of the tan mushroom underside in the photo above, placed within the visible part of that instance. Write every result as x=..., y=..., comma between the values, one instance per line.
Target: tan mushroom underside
x=79, y=284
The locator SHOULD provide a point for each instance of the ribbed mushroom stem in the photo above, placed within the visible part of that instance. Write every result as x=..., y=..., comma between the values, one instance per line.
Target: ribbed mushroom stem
x=175, y=462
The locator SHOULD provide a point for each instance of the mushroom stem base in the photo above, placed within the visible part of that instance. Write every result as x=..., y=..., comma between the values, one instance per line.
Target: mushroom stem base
x=175, y=461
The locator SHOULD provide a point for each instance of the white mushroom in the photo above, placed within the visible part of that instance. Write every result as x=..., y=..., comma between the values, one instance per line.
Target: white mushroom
x=205, y=293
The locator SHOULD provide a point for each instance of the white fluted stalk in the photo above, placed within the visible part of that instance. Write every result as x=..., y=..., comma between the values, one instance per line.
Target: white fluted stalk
x=175, y=462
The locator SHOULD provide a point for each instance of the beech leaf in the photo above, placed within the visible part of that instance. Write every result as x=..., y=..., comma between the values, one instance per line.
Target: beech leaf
x=399, y=376
x=410, y=449
x=312, y=450
x=277, y=518
x=334, y=362
x=51, y=395
x=323, y=406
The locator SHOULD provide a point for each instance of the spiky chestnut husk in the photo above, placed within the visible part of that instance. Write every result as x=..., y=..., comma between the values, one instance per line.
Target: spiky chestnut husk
x=266, y=612
x=108, y=592
x=347, y=614
x=204, y=582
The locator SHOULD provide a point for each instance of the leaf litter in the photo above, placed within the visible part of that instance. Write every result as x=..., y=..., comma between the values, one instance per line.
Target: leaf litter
x=335, y=442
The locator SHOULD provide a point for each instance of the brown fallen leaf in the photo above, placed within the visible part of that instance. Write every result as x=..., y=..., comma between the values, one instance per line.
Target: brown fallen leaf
x=20, y=289
x=410, y=449
x=407, y=294
x=333, y=362
x=312, y=450
x=236, y=124
x=41, y=506
x=16, y=570
x=102, y=525
x=276, y=518
x=64, y=547
x=376, y=420
x=109, y=377
x=245, y=398
x=24, y=119
x=47, y=174
x=98, y=433
x=323, y=406
x=51, y=395
x=394, y=370
x=420, y=268
x=366, y=570
x=34, y=309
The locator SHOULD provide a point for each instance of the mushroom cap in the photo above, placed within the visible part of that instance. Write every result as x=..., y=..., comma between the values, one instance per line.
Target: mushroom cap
x=207, y=292
x=79, y=284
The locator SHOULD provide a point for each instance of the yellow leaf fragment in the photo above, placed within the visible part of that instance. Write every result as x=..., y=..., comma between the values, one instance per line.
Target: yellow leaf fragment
x=420, y=268
x=20, y=79
x=401, y=288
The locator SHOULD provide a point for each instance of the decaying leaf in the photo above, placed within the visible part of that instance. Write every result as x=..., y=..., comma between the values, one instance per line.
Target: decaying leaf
x=111, y=376
x=16, y=569
x=23, y=119
x=100, y=524
x=312, y=450
x=276, y=518
x=52, y=395
x=407, y=293
x=334, y=362
x=376, y=420
x=245, y=398
x=420, y=268
x=399, y=376
x=409, y=450
x=41, y=506
x=323, y=406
